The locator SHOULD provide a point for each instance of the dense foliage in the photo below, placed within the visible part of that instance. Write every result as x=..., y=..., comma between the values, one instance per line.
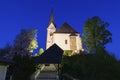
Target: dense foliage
x=68, y=52
x=100, y=66
x=4, y=51
x=95, y=34
x=25, y=42
x=20, y=52
x=41, y=51
x=24, y=67
x=24, y=45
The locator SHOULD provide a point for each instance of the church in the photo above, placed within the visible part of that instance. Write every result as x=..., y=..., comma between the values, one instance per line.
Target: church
x=65, y=36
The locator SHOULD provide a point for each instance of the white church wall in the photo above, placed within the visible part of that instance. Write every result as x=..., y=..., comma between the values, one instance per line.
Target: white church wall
x=59, y=39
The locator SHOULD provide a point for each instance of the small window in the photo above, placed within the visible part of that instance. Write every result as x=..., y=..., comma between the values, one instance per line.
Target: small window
x=65, y=41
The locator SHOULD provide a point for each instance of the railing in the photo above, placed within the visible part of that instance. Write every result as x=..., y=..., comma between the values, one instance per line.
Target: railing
x=35, y=75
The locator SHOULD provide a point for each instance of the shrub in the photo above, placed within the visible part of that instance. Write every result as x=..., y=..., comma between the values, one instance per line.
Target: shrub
x=101, y=66
x=24, y=67
x=68, y=52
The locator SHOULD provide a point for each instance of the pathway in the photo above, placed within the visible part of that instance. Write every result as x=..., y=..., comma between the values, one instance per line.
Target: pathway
x=48, y=73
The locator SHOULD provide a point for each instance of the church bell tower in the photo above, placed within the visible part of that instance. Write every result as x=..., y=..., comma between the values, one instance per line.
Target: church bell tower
x=50, y=30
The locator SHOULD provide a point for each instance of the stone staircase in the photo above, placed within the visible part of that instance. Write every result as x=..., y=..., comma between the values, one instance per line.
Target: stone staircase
x=49, y=72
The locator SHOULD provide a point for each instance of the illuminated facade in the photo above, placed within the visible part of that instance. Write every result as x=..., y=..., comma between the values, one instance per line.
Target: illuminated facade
x=65, y=37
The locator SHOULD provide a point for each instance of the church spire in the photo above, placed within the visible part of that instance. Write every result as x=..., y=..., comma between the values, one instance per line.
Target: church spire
x=51, y=18
x=50, y=30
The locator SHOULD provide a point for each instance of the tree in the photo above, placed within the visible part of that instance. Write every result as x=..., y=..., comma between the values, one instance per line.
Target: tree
x=24, y=67
x=41, y=51
x=95, y=35
x=24, y=64
x=4, y=51
x=25, y=42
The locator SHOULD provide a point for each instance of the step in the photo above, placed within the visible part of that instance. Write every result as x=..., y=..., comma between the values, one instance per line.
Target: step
x=48, y=73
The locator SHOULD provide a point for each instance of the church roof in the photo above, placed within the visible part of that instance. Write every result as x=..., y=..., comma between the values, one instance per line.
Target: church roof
x=52, y=55
x=66, y=28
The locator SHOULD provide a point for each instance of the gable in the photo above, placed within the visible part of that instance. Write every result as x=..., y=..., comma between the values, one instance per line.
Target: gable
x=51, y=26
x=52, y=55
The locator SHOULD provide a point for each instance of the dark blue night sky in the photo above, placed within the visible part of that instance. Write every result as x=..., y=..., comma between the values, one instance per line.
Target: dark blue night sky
x=24, y=14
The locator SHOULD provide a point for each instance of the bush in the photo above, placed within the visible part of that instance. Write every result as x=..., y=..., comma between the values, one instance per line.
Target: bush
x=100, y=66
x=24, y=67
x=68, y=52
